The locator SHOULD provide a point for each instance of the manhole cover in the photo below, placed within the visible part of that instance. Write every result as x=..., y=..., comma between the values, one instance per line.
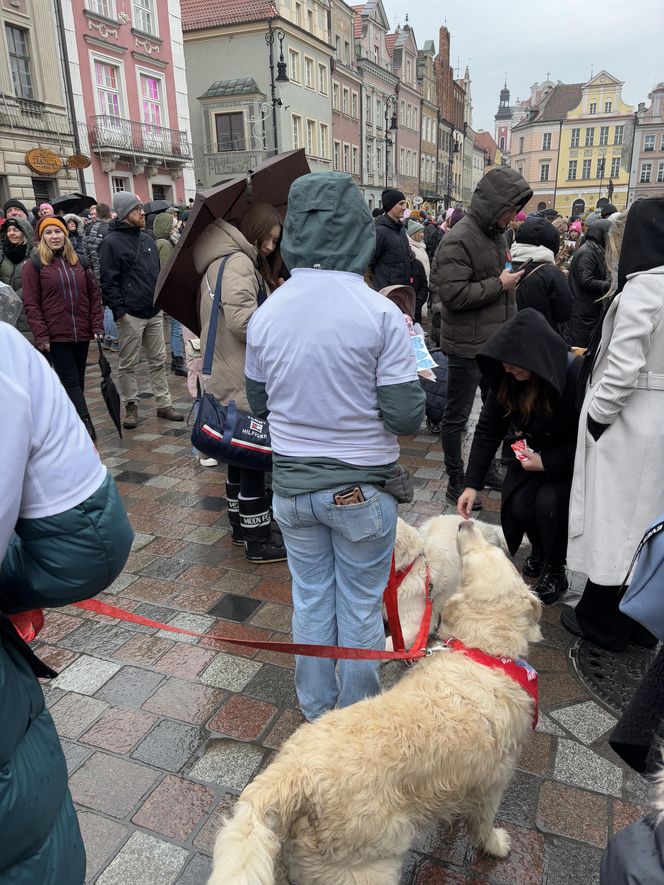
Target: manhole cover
x=613, y=677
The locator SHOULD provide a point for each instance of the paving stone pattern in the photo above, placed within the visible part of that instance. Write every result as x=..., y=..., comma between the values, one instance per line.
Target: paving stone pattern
x=161, y=731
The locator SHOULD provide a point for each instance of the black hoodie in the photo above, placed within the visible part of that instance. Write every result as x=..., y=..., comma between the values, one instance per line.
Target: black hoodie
x=527, y=341
x=643, y=242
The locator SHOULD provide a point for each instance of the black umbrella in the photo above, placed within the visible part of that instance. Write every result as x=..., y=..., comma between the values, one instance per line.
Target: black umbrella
x=108, y=390
x=156, y=206
x=75, y=203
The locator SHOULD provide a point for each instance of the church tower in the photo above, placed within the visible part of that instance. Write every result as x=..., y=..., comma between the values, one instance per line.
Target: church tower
x=504, y=121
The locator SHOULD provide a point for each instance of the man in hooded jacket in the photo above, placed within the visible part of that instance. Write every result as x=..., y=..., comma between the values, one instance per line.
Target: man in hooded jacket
x=476, y=289
x=589, y=280
x=392, y=262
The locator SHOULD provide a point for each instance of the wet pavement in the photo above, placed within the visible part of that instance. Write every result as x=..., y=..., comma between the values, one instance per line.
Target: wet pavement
x=162, y=731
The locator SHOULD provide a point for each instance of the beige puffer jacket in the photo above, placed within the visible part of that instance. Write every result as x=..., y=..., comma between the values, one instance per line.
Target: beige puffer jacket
x=240, y=286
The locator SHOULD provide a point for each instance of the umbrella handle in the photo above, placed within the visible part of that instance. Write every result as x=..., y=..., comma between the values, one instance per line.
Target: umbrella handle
x=101, y=352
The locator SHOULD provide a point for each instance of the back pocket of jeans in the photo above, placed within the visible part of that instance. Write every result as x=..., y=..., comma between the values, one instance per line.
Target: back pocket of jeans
x=357, y=522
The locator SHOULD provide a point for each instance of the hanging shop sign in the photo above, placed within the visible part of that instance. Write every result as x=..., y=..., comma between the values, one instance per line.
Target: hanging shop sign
x=43, y=162
x=78, y=161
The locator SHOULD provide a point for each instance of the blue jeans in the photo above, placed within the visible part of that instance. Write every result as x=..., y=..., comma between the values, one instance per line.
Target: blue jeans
x=110, y=329
x=177, y=341
x=339, y=559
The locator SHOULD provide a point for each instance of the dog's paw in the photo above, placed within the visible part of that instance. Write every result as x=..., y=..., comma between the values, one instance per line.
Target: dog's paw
x=499, y=843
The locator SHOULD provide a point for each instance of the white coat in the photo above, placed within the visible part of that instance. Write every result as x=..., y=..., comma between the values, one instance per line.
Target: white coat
x=618, y=485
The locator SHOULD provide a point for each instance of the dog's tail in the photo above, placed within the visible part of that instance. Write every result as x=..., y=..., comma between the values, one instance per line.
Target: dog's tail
x=248, y=844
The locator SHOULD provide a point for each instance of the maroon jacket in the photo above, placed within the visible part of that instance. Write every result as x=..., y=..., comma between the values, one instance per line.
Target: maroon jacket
x=62, y=302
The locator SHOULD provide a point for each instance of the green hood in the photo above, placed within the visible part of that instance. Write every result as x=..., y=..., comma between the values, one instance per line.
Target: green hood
x=328, y=225
x=500, y=189
x=26, y=227
x=162, y=227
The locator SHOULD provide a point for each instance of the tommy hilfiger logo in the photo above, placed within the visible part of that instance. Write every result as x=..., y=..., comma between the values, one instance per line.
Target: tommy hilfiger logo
x=256, y=425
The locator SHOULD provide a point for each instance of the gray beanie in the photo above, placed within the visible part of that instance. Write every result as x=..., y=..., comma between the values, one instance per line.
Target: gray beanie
x=123, y=203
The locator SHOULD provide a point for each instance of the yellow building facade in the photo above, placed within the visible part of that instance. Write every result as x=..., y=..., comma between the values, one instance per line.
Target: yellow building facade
x=595, y=144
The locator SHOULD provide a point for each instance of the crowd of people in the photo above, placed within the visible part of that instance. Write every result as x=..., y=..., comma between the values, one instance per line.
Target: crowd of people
x=557, y=322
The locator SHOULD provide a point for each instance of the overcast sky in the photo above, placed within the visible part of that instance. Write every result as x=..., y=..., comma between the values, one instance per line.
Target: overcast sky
x=525, y=39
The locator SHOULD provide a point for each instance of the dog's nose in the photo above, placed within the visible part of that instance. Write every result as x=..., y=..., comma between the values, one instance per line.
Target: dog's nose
x=465, y=524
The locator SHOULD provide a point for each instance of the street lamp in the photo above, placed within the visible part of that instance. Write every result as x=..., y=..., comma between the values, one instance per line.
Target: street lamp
x=601, y=164
x=390, y=101
x=454, y=149
x=282, y=75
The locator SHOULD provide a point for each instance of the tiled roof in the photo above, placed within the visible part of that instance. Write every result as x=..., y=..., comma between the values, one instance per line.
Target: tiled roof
x=390, y=40
x=357, y=24
x=221, y=88
x=556, y=105
x=485, y=141
x=198, y=15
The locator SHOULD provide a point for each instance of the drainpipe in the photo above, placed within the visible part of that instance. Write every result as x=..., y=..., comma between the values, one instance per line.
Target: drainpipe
x=69, y=90
x=555, y=187
x=269, y=39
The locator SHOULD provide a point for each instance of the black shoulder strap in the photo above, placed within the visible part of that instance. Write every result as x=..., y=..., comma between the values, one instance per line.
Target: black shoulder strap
x=36, y=261
x=214, y=319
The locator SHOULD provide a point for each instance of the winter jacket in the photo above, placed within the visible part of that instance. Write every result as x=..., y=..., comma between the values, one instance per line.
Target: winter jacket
x=529, y=342
x=62, y=301
x=544, y=287
x=589, y=280
x=421, y=288
x=635, y=855
x=432, y=237
x=76, y=237
x=129, y=264
x=620, y=473
x=49, y=561
x=392, y=261
x=469, y=261
x=162, y=230
x=242, y=290
x=11, y=268
x=94, y=234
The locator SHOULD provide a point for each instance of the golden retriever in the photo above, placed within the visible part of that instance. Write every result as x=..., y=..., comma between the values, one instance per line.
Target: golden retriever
x=434, y=543
x=341, y=802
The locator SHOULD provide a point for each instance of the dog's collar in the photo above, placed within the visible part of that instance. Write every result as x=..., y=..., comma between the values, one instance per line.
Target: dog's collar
x=519, y=670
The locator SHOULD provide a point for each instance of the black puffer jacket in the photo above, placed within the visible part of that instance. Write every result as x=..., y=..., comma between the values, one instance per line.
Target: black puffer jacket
x=589, y=280
x=392, y=262
x=544, y=287
x=129, y=263
x=469, y=261
x=432, y=237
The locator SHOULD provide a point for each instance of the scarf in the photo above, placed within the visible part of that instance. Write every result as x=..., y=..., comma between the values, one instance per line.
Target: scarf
x=16, y=252
x=419, y=250
x=522, y=252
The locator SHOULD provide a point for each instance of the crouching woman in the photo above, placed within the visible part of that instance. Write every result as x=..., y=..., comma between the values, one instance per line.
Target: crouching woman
x=64, y=537
x=532, y=385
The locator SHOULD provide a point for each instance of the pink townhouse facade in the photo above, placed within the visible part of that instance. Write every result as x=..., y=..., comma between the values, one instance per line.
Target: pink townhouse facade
x=132, y=90
x=346, y=93
x=403, y=50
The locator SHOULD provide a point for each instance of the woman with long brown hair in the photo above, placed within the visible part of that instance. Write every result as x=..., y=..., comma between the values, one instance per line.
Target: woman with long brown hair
x=63, y=308
x=532, y=384
x=250, y=273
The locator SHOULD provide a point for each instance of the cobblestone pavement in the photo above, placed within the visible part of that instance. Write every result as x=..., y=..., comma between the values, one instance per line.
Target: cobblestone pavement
x=161, y=732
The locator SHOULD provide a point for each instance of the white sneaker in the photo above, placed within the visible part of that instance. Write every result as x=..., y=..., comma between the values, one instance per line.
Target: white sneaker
x=208, y=462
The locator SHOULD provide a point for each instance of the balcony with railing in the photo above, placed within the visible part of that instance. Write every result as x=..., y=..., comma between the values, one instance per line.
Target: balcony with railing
x=140, y=141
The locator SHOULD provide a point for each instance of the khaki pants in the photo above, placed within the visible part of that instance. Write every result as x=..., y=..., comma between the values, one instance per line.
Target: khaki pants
x=136, y=332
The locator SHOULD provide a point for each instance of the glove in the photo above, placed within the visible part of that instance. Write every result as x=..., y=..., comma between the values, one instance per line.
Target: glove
x=595, y=429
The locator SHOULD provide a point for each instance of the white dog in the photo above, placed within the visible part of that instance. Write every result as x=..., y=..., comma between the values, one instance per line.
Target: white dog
x=342, y=801
x=433, y=544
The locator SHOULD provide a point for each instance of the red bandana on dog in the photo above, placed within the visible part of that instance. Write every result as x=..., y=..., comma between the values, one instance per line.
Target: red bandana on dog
x=518, y=670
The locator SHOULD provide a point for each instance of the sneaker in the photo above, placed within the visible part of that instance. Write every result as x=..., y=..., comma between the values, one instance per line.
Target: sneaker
x=106, y=343
x=169, y=414
x=208, y=462
x=552, y=584
x=533, y=565
x=131, y=416
x=115, y=346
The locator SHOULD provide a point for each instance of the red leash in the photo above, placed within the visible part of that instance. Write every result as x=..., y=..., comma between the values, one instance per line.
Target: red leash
x=338, y=652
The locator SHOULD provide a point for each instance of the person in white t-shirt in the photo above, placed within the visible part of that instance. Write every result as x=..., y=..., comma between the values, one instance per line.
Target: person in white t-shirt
x=64, y=536
x=331, y=361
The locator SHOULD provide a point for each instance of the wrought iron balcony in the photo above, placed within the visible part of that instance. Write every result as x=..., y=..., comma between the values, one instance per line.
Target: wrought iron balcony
x=111, y=135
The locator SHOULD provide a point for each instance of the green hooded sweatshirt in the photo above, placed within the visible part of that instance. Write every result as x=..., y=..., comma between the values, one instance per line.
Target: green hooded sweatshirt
x=162, y=228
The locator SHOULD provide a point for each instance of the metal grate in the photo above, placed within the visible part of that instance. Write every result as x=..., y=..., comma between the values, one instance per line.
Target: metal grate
x=613, y=677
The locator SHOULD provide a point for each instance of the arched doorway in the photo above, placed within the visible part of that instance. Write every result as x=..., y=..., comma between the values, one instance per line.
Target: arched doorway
x=541, y=206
